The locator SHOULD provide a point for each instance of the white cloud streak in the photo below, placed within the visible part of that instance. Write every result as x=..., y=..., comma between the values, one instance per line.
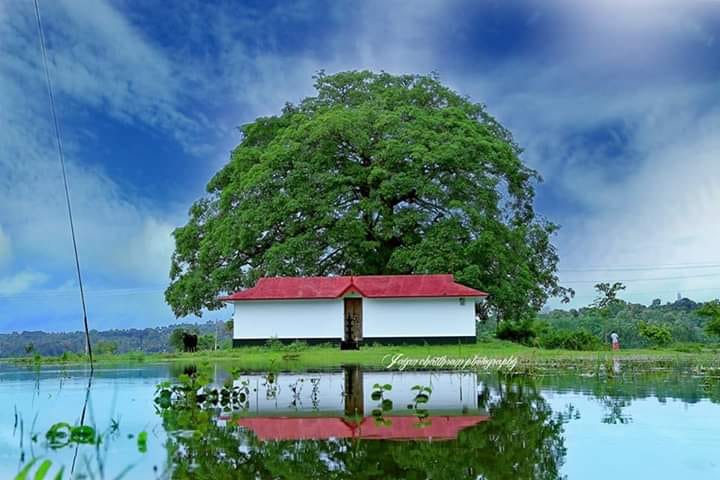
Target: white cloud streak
x=21, y=282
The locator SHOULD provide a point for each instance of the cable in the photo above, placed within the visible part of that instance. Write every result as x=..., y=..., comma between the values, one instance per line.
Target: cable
x=61, y=156
x=640, y=268
x=644, y=279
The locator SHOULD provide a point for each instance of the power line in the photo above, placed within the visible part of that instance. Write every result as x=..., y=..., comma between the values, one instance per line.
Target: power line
x=652, y=279
x=641, y=268
x=61, y=156
x=655, y=292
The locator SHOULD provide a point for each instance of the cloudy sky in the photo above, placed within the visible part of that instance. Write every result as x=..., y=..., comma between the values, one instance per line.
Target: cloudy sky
x=615, y=102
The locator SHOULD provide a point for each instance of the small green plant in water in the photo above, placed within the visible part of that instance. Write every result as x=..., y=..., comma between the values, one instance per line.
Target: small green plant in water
x=63, y=434
x=142, y=442
x=385, y=405
x=422, y=397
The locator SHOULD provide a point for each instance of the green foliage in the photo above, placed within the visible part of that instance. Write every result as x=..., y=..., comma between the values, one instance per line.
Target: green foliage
x=655, y=334
x=62, y=434
x=274, y=344
x=682, y=319
x=570, y=340
x=522, y=438
x=142, y=442
x=206, y=342
x=711, y=311
x=517, y=331
x=687, y=347
x=176, y=339
x=149, y=340
x=41, y=473
x=376, y=174
x=607, y=294
x=106, y=347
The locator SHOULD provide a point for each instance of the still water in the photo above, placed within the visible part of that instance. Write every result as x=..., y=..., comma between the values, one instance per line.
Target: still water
x=185, y=421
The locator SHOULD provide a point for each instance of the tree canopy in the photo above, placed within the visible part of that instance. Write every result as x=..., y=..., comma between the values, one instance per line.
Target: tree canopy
x=711, y=311
x=375, y=174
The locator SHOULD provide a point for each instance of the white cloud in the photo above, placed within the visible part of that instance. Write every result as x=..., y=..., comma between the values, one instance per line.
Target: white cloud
x=147, y=254
x=21, y=282
x=98, y=62
x=665, y=213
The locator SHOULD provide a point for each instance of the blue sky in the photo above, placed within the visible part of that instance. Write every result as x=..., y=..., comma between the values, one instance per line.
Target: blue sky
x=615, y=103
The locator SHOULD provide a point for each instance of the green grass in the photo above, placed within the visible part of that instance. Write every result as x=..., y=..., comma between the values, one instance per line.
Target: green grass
x=375, y=356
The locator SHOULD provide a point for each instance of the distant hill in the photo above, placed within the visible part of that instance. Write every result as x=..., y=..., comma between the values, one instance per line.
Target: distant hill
x=149, y=340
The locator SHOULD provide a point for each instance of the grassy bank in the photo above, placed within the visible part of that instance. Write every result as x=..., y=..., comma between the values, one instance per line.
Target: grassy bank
x=294, y=357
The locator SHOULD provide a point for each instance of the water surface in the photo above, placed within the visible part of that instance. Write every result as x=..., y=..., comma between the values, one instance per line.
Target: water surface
x=352, y=423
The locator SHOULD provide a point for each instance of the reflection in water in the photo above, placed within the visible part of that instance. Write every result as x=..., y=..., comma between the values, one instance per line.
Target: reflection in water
x=517, y=436
x=218, y=424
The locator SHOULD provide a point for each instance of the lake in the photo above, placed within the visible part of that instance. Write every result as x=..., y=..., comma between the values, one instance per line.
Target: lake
x=155, y=421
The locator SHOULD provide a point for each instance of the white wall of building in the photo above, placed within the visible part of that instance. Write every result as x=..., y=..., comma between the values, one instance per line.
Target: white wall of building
x=418, y=317
x=382, y=317
x=259, y=319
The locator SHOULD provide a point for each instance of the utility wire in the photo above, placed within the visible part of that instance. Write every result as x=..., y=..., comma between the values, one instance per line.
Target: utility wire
x=651, y=279
x=641, y=268
x=61, y=156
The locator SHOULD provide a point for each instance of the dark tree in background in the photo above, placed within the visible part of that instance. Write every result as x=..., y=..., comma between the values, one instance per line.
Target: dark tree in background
x=376, y=174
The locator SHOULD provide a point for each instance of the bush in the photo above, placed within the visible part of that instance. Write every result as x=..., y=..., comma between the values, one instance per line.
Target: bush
x=518, y=332
x=274, y=344
x=655, y=334
x=570, y=340
x=106, y=347
x=296, y=346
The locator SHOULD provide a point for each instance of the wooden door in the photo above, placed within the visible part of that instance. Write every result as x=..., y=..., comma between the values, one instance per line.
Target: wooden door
x=353, y=319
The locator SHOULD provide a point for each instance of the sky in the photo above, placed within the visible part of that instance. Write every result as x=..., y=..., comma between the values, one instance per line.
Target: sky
x=615, y=103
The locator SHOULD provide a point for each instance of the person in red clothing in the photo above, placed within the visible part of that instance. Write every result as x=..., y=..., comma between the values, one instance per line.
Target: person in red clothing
x=615, y=339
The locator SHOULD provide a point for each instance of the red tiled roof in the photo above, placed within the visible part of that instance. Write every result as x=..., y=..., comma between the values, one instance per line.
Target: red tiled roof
x=317, y=428
x=371, y=286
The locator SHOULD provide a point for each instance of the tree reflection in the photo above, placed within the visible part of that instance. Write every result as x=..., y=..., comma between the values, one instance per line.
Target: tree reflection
x=522, y=439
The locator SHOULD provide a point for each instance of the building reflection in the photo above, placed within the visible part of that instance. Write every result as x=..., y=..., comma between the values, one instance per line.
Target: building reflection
x=354, y=403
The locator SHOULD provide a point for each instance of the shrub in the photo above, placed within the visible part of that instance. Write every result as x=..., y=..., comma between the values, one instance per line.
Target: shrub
x=296, y=346
x=274, y=343
x=570, y=340
x=655, y=334
x=518, y=332
x=106, y=347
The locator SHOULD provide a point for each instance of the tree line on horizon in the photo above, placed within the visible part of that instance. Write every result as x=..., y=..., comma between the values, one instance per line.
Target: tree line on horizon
x=146, y=340
x=685, y=323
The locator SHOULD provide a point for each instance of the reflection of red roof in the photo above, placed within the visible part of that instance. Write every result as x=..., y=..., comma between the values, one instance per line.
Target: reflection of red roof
x=372, y=286
x=319, y=428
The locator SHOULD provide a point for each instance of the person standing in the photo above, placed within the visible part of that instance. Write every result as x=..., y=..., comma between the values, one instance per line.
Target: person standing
x=615, y=339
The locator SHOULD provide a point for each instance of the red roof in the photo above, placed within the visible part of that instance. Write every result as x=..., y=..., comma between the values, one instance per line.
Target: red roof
x=371, y=286
x=317, y=428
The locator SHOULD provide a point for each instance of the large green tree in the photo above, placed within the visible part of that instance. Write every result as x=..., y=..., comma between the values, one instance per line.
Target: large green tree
x=376, y=174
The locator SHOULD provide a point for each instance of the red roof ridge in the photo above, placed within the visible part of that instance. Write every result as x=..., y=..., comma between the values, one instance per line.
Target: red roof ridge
x=368, y=286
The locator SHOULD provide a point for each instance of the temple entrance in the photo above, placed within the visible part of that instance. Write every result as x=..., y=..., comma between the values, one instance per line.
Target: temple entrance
x=353, y=324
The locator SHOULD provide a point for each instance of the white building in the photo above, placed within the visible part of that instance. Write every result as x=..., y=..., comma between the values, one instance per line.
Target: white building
x=355, y=310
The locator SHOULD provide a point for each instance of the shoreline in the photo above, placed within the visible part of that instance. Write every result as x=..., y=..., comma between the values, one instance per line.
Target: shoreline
x=323, y=357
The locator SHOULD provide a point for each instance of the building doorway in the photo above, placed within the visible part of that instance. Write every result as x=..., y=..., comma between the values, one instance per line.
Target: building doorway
x=353, y=323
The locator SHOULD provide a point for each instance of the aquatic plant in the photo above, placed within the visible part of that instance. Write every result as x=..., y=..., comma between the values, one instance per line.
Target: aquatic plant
x=385, y=405
x=422, y=397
